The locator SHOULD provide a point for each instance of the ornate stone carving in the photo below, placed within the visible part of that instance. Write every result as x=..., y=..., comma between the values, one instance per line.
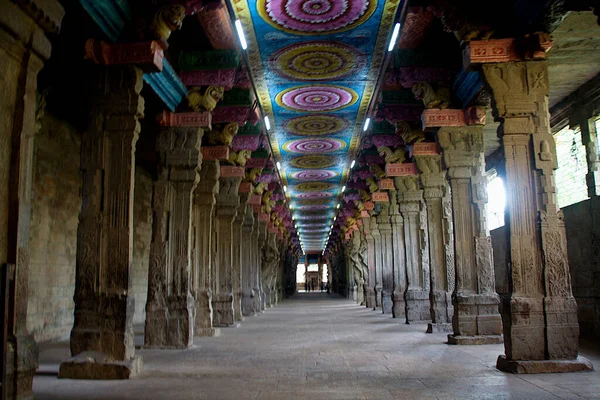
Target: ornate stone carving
x=167, y=19
x=432, y=98
x=205, y=99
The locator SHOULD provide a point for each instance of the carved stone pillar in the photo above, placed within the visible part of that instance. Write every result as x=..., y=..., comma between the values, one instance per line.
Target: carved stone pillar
x=170, y=305
x=387, y=259
x=24, y=48
x=476, y=318
x=249, y=243
x=441, y=246
x=589, y=138
x=378, y=257
x=258, y=240
x=541, y=333
x=399, y=259
x=269, y=262
x=358, y=272
x=203, y=263
x=262, y=246
x=370, y=294
x=351, y=286
x=237, y=260
x=102, y=339
x=416, y=249
x=228, y=202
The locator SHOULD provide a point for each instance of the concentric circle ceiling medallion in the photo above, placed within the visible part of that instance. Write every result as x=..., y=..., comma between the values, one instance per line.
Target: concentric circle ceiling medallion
x=316, y=98
x=314, y=195
x=313, y=217
x=323, y=207
x=314, y=187
x=312, y=162
x=313, y=201
x=320, y=17
x=316, y=125
x=314, y=145
x=314, y=175
x=316, y=61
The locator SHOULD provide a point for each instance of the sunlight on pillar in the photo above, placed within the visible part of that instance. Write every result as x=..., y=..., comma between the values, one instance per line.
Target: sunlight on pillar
x=496, y=203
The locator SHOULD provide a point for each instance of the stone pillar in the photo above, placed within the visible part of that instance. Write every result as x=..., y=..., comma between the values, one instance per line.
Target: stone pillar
x=262, y=247
x=257, y=246
x=170, y=305
x=102, y=339
x=370, y=296
x=589, y=138
x=203, y=268
x=269, y=263
x=351, y=286
x=541, y=333
x=357, y=267
x=237, y=265
x=24, y=48
x=249, y=243
x=378, y=253
x=228, y=202
x=416, y=248
x=441, y=247
x=399, y=259
x=387, y=259
x=476, y=319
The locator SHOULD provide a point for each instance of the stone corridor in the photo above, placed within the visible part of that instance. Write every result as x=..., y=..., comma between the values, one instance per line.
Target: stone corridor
x=318, y=346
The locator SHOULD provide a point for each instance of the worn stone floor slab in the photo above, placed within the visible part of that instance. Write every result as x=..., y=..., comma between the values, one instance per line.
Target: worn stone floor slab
x=317, y=346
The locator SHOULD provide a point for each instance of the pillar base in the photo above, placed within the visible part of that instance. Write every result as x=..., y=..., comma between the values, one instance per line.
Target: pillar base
x=20, y=386
x=398, y=307
x=439, y=328
x=387, y=304
x=170, y=327
x=204, y=313
x=370, y=300
x=223, y=309
x=207, y=332
x=248, y=303
x=93, y=365
x=475, y=340
x=543, y=366
x=417, y=307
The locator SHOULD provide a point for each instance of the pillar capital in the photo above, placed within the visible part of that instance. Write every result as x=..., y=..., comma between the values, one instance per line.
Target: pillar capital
x=462, y=149
x=432, y=174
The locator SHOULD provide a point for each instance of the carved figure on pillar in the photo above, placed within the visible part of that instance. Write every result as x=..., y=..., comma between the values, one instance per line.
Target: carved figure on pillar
x=359, y=280
x=540, y=314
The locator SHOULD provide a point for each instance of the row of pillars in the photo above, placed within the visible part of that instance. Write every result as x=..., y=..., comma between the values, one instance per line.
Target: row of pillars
x=211, y=263
x=426, y=256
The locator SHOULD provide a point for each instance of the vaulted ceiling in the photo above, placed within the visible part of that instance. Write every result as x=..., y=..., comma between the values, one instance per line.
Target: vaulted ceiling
x=315, y=65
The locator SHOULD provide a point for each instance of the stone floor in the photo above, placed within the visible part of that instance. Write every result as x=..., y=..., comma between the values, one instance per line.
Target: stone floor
x=318, y=346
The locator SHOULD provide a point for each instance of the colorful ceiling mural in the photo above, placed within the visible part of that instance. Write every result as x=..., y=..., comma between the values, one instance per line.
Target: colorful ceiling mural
x=315, y=65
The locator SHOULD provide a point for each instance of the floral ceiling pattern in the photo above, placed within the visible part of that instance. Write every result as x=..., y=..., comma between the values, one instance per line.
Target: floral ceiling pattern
x=315, y=64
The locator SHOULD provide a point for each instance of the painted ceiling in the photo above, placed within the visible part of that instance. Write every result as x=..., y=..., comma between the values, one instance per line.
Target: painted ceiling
x=315, y=65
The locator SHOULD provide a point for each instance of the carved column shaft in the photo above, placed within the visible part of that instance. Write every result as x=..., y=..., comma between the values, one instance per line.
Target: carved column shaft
x=371, y=298
x=248, y=248
x=540, y=313
x=387, y=259
x=476, y=319
x=589, y=138
x=103, y=307
x=378, y=258
x=416, y=249
x=238, y=260
x=441, y=247
x=227, y=203
x=399, y=258
x=203, y=215
x=259, y=256
x=22, y=59
x=170, y=306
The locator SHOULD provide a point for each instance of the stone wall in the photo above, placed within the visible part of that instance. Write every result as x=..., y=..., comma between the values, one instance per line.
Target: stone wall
x=142, y=232
x=582, y=222
x=56, y=201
